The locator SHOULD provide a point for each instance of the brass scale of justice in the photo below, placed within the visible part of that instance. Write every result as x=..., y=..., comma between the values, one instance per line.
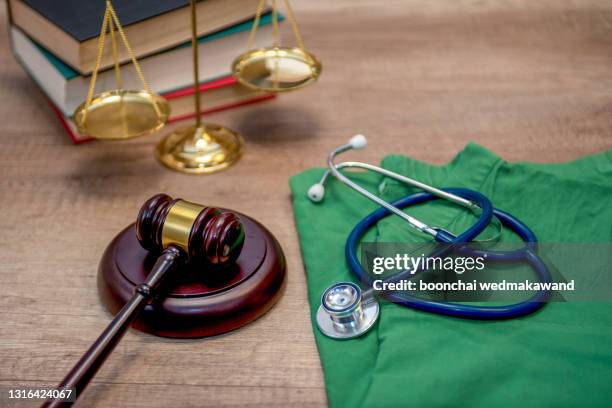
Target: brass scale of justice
x=202, y=147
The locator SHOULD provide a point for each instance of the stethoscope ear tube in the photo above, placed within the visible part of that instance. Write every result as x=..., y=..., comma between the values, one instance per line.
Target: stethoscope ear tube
x=526, y=254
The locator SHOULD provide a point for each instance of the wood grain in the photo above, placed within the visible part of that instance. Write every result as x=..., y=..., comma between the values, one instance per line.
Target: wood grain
x=529, y=80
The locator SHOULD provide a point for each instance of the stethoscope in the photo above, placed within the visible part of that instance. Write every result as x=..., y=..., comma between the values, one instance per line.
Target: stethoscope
x=347, y=312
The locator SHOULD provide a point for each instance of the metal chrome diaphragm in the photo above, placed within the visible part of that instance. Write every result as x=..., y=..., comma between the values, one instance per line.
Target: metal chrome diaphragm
x=344, y=313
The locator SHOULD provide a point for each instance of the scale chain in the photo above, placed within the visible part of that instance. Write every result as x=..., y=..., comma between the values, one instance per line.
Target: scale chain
x=260, y=8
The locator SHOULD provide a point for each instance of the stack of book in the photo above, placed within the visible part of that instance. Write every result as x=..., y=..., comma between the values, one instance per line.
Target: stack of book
x=56, y=42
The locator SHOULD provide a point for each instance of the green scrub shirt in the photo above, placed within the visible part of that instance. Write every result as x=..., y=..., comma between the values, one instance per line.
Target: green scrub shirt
x=558, y=356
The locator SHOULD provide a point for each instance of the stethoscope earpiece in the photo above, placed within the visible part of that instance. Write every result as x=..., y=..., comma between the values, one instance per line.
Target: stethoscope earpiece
x=316, y=193
x=358, y=142
x=345, y=313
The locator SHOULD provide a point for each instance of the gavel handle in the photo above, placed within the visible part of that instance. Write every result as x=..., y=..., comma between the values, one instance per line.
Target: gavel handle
x=80, y=375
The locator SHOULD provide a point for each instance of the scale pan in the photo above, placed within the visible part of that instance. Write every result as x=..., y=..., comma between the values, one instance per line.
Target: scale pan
x=122, y=114
x=276, y=69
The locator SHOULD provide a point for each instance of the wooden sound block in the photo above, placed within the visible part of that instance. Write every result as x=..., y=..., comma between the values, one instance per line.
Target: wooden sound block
x=196, y=301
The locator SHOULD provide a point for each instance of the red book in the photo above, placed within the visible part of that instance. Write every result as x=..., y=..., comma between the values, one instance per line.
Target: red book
x=218, y=95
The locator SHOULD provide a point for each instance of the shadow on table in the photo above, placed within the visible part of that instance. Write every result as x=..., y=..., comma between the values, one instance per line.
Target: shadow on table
x=274, y=122
x=101, y=168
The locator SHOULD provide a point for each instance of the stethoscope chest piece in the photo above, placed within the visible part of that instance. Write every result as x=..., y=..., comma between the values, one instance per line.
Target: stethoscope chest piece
x=344, y=313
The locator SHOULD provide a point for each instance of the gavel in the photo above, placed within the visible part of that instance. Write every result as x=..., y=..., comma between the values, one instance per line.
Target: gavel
x=180, y=231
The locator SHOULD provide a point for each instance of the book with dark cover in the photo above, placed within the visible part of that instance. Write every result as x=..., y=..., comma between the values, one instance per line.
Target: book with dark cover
x=70, y=28
x=67, y=89
x=81, y=18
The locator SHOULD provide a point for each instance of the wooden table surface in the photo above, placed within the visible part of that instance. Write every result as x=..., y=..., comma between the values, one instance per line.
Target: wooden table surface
x=531, y=80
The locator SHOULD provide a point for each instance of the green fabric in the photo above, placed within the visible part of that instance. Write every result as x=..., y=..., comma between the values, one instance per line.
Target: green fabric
x=559, y=356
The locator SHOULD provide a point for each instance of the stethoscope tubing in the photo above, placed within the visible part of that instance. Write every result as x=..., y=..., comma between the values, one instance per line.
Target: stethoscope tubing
x=526, y=254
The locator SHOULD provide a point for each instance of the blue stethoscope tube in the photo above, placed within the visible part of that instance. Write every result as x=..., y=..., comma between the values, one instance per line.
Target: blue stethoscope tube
x=526, y=254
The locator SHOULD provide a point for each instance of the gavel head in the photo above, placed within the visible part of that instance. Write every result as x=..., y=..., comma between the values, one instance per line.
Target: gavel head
x=206, y=234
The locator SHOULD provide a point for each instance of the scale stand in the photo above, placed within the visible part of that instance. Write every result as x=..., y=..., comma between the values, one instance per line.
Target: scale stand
x=203, y=147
